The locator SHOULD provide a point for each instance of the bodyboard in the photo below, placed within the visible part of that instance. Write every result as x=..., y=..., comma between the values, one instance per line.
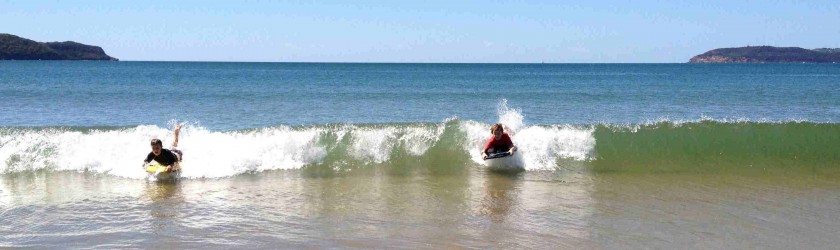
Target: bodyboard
x=153, y=168
x=497, y=155
x=504, y=161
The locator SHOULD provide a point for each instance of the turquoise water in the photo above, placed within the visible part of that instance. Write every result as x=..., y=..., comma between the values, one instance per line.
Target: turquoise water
x=245, y=117
x=297, y=155
x=229, y=96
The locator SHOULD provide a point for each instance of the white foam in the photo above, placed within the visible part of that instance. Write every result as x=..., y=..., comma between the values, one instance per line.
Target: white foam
x=376, y=144
x=512, y=119
x=212, y=154
x=207, y=154
x=219, y=154
x=97, y=151
x=120, y=152
x=373, y=144
x=540, y=146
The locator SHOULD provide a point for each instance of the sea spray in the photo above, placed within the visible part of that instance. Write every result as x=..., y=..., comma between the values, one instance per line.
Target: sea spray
x=540, y=146
x=511, y=118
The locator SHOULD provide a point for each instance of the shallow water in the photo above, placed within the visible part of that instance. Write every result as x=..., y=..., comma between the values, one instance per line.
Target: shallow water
x=716, y=211
x=466, y=207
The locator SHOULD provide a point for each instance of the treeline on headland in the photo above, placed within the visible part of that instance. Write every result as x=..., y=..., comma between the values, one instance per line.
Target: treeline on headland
x=17, y=48
x=768, y=54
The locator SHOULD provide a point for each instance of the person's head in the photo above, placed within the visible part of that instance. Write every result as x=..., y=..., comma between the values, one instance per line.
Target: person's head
x=497, y=130
x=157, y=145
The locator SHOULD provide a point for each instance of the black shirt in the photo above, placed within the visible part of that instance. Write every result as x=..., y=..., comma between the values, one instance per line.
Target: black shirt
x=165, y=157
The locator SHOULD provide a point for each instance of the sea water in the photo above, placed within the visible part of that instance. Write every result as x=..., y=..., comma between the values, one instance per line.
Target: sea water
x=387, y=155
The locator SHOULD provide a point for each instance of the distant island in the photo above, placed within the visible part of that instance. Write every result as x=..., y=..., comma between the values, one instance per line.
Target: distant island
x=17, y=48
x=768, y=54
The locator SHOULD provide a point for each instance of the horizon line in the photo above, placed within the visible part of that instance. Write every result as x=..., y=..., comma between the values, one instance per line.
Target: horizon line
x=383, y=62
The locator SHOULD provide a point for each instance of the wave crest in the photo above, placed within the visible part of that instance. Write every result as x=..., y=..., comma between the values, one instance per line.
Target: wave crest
x=211, y=154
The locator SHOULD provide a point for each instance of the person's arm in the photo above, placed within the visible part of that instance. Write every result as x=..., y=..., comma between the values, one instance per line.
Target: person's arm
x=510, y=142
x=170, y=156
x=487, y=146
x=174, y=157
x=148, y=159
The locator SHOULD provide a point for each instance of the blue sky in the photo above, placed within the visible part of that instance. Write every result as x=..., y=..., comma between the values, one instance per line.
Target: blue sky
x=589, y=31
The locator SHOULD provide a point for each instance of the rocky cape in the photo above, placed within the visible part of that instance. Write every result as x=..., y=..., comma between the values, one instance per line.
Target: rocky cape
x=768, y=54
x=17, y=48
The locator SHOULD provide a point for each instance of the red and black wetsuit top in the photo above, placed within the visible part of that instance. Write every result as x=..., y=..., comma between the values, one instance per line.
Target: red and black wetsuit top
x=165, y=157
x=500, y=145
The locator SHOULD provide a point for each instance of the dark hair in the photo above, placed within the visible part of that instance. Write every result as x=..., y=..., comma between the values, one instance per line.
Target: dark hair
x=497, y=126
x=157, y=142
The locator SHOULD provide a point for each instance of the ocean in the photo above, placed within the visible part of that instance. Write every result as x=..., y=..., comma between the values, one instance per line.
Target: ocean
x=369, y=155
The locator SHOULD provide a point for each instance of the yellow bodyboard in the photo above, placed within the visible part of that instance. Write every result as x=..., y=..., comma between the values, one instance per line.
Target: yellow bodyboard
x=157, y=168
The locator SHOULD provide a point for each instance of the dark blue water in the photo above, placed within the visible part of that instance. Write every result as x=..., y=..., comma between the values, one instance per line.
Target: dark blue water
x=226, y=96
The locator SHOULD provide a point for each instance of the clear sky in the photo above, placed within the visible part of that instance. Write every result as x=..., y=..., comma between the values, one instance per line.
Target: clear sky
x=587, y=31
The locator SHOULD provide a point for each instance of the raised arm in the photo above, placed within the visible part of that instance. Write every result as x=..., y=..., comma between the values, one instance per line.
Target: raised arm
x=177, y=132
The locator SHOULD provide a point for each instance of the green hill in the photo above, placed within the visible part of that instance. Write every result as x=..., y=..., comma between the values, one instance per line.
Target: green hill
x=17, y=48
x=768, y=54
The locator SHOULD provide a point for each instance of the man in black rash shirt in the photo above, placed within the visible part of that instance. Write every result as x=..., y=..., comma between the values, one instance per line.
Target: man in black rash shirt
x=165, y=157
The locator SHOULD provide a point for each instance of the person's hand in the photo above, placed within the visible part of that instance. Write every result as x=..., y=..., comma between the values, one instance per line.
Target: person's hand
x=169, y=168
